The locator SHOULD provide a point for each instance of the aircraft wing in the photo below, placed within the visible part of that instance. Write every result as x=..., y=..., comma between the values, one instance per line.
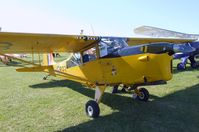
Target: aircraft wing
x=159, y=32
x=46, y=43
x=43, y=43
x=138, y=41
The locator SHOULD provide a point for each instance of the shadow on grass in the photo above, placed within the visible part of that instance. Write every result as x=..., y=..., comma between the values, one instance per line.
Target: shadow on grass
x=174, y=112
x=56, y=83
x=76, y=87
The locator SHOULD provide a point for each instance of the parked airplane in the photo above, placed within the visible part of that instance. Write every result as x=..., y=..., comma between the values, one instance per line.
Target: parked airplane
x=98, y=62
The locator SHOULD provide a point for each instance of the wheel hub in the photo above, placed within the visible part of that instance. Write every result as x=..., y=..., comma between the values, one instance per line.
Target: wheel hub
x=90, y=110
x=141, y=95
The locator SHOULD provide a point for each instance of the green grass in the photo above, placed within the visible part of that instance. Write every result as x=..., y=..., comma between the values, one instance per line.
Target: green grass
x=28, y=103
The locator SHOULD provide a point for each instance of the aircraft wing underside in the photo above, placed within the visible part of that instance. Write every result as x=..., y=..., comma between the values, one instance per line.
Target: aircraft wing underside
x=43, y=43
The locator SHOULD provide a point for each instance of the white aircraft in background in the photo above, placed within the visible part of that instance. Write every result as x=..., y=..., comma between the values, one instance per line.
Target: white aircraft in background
x=6, y=59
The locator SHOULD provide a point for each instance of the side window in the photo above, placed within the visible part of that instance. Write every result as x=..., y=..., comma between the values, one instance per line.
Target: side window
x=74, y=60
x=89, y=55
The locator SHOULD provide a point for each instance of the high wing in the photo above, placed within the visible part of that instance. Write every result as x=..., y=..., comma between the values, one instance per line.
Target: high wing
x=47, y=43
x=43, y=43
x=138, y=41
x=159, y=32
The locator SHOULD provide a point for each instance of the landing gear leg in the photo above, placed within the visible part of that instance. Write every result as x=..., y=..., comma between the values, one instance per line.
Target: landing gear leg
x=92, y=106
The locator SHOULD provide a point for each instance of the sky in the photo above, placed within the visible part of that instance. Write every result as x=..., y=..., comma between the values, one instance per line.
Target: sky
x=98, y=17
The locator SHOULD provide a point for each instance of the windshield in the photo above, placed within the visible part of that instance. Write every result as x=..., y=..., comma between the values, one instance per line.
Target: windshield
x=110, y=46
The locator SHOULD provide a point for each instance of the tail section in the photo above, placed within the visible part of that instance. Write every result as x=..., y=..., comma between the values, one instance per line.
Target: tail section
x=47, y=66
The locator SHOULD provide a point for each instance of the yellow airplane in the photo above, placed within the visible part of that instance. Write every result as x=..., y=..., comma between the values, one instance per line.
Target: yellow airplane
x=98, y=62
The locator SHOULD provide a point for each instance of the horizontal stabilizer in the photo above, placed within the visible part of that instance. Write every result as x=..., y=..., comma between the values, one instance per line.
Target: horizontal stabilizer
x=48, y=69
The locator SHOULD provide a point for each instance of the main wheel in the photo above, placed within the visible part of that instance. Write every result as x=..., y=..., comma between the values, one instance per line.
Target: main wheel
x=92, y=109
x=194, y=65
x=144, y=94
x=181, y=66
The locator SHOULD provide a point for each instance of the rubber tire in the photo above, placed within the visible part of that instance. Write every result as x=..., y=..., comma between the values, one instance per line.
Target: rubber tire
x=145, y=94
x=95, y=109
x=194, y=65
x=181, y=67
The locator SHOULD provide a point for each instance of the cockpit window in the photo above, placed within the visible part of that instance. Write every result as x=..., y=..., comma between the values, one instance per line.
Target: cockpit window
x=89, y=55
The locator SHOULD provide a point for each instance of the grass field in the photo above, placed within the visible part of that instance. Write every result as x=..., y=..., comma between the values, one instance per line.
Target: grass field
x=28, y=103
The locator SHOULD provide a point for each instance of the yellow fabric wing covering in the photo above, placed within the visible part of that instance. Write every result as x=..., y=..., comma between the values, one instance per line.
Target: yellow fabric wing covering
x=43, y=43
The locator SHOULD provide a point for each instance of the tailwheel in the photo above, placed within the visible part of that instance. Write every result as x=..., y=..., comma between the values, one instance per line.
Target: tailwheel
x=46, y=77
x=92, y=109
x=181, y=66
x=141, y=94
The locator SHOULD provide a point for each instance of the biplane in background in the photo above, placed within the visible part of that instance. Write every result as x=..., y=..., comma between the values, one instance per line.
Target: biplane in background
x=184, y=56
x=6, y=59
x=98, y=62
